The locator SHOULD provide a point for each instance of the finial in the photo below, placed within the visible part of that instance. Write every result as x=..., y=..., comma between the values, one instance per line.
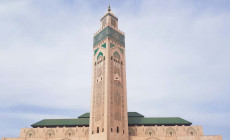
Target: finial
x=109, y=8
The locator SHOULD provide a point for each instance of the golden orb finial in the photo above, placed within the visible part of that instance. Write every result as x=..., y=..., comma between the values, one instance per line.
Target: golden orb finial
x=109, y=8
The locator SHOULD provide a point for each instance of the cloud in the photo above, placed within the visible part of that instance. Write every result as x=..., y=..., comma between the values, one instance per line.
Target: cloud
x=30, y=116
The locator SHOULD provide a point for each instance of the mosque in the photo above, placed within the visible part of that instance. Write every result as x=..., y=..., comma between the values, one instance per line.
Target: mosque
x=108, y=118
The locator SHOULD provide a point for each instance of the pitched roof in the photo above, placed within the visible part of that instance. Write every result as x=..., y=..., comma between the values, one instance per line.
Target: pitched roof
x=62, y=122
x=134, y=114
x=134, y=118
x=158, y=121
x=85, y=115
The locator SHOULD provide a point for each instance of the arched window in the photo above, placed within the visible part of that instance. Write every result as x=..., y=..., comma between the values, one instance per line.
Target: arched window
x=149, y=132
x=117, y=129
x=69, y=132
x=50, y=133
x=97, y=129
x=30, y=133
x=170, y=131
x=116, y=76
x=191, y=131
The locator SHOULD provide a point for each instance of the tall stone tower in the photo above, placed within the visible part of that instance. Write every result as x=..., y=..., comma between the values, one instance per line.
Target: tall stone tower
x=108, y=114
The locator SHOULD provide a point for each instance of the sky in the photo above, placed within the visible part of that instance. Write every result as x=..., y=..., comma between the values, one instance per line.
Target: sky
x=177, y=56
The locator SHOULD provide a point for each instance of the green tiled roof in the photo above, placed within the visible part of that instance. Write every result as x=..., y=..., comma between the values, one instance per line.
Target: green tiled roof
x=134, y=118
x=86, y=115
x=62, y=122
x=157, y=121
x=134, y=114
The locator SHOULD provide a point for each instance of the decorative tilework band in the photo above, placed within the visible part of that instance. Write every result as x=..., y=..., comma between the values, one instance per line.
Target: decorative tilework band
x=111, y=33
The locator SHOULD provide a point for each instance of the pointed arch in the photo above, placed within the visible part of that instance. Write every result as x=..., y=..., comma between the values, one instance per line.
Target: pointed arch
x=150, y=132
x=191, y=131
x=69, y=132
x=170, y=131
x=116, y=54
x=50, y=133
x=100, y=54
x=30, y=133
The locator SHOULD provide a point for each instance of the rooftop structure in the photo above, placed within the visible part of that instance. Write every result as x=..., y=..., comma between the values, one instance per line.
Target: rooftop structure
x=134, y=119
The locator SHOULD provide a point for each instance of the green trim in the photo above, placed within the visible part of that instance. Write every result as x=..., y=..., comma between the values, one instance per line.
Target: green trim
x=95, y=51
x=116, y=54
x=62, y=122
x=100, y=53
x=111, y=45
x=134, y=118
x=104, y=45
x=111, y=33
x=122, y=51
x=157, y=121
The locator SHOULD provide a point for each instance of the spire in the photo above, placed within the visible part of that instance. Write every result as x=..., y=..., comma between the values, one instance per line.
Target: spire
x=109, y=8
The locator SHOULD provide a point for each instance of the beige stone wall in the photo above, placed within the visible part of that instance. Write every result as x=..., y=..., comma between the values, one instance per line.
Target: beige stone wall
x=65, y=132
x=144, y=131
x=140, y=131
x=169, y=133
x=73, y=138
x=135, y=132
x=177, y=138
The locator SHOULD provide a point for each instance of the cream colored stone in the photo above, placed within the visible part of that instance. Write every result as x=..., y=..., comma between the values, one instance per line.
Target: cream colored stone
x=140, y=133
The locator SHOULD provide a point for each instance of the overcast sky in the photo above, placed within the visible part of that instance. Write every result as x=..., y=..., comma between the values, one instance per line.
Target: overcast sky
x=178, y=59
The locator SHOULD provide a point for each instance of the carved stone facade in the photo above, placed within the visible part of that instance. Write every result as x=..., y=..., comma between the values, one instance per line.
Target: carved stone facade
x=109, y=83
x=135, y=133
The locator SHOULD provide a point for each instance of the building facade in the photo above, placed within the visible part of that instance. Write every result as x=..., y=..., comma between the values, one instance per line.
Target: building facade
x=108, y=118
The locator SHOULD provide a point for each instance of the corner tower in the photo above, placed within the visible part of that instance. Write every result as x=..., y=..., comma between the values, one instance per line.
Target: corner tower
x=108, y=114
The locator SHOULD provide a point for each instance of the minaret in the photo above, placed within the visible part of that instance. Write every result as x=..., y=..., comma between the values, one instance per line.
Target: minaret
x=108, y=114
